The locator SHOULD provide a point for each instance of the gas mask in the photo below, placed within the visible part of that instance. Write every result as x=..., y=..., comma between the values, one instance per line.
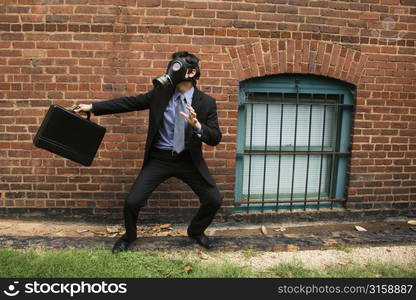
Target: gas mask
x=175, y=73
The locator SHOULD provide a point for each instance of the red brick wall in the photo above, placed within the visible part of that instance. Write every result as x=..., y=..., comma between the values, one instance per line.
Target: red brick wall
x=68, y=52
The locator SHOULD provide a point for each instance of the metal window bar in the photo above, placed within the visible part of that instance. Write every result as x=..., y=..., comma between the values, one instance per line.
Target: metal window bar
x=333, y=154
x=280, y=155
x=255, y=152
x=336, y=145
x=265, y=156
x=294, y=148
x=249, y=165
x=322, y=149
x=333, y=162
x=308, y=155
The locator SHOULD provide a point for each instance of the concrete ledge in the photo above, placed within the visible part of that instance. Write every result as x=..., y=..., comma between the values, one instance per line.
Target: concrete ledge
x=278, y=242
x=114, y=215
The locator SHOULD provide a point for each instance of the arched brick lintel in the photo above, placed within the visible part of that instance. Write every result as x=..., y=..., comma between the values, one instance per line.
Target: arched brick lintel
x=270, y=57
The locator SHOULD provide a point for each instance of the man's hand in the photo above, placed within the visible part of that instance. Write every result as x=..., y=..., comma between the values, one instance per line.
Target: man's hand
x=83, y=108
x=191, y=117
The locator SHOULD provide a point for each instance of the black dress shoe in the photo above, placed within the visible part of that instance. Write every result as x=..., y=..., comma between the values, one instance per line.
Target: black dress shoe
x=121, y=245
x=202, y=239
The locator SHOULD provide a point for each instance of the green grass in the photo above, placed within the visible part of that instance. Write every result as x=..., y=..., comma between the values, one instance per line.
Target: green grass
x=342, y=247
x=371, y=269
x=44, y=263
x=293, y=269
x=102, y=263
x=249, y=253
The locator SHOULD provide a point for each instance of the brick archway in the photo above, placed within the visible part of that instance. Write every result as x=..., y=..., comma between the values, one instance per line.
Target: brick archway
x=297, y=56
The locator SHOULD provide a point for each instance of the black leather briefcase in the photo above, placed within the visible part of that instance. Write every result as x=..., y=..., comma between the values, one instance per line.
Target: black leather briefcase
x=67, y=134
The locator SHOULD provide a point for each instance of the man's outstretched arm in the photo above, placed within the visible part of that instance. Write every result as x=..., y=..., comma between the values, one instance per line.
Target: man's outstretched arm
x=122, y=104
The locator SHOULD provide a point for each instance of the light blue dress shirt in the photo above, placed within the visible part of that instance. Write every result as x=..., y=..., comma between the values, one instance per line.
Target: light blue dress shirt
x=166, y=130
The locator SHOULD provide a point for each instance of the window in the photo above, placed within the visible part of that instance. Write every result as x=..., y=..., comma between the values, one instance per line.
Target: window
x=293, y=142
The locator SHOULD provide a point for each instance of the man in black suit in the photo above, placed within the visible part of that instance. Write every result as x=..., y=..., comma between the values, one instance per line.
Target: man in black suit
x=173, y=147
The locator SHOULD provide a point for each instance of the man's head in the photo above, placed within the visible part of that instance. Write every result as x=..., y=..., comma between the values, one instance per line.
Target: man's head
x=193, y=71
x=182, y=69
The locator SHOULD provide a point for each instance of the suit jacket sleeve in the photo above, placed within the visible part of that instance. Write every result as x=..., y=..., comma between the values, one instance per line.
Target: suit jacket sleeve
x=211, y=133
x=122, y=104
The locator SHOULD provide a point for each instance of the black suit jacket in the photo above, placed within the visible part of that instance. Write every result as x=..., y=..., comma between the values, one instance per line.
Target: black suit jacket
x=156, y=101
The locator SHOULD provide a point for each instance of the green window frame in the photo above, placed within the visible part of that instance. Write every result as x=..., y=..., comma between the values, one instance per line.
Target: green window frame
x=293, y=142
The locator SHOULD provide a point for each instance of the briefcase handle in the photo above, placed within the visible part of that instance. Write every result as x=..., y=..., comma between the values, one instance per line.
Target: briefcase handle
x=88, y=112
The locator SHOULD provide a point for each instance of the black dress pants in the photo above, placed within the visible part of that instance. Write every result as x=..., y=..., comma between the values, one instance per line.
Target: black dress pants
x=161, y=166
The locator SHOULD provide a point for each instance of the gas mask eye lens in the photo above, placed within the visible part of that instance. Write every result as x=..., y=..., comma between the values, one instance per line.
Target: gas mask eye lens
x=175, y=73
x=176, y=66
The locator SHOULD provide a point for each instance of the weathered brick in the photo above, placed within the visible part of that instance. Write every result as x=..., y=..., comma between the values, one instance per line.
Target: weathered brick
x=64, y=53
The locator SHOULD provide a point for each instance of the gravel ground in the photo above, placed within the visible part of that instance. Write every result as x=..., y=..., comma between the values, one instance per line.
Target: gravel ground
x=313, y=259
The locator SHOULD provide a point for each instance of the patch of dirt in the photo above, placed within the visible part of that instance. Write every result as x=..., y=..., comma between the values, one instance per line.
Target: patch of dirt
x=84, y=229
x=61, y=229
x=276, y=230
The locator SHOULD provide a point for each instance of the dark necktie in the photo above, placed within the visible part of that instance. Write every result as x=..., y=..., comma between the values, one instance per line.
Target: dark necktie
x=179, y=130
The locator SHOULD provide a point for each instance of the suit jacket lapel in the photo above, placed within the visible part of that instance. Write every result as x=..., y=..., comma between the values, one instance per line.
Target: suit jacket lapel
x=164, y=101
x=196, y=99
